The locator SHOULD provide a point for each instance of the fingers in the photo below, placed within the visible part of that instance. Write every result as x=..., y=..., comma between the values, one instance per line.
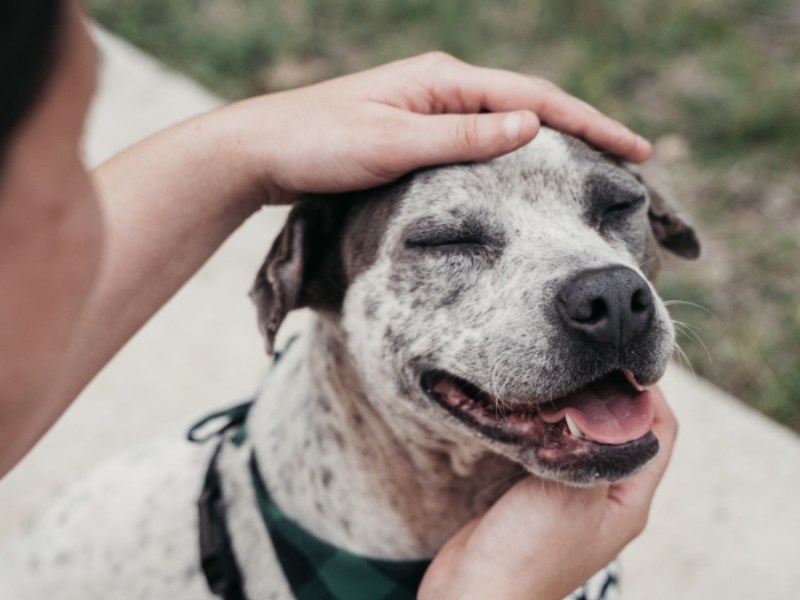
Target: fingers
x=636, y=494
x=448, y=138
x=456, y=87
x=566, y=113
x=665, y=426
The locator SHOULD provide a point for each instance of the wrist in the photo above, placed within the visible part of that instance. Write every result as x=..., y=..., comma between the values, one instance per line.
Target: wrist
x=247, y=135
x=462, y=572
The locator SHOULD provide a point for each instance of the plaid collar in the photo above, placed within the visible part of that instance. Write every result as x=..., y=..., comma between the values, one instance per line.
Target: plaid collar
x=314, y=569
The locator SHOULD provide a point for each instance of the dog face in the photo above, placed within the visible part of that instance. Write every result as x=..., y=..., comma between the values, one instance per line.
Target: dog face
x=505, y=303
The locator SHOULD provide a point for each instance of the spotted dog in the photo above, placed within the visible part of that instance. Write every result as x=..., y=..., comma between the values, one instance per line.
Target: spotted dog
x=472, y=323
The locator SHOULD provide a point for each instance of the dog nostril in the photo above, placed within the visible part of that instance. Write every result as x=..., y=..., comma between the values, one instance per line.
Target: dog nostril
x=599, y=311
x=589, y=312
x=640, y=301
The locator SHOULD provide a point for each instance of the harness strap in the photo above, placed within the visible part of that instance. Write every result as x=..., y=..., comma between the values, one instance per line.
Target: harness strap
x=216, y=553
x=235, y=416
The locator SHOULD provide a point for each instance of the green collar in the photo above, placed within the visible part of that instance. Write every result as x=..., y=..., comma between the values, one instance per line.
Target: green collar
x=316, y=569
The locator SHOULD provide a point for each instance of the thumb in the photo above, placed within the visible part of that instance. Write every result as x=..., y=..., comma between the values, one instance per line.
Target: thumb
x=473, y=137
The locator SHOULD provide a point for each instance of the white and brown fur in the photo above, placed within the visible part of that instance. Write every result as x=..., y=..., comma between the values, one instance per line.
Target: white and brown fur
x=347, y=439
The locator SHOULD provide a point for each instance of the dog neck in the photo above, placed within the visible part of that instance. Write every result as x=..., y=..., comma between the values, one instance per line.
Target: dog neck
x=334, y=465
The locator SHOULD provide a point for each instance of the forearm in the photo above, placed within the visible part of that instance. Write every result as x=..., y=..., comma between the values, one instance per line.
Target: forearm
x=172, y=200
x=48, y=261
x=169, y=202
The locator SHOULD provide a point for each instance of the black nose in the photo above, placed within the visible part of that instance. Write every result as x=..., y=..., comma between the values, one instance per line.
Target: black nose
x=610, y=306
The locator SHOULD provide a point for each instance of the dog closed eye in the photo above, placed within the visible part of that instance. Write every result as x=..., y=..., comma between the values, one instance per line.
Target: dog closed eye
x=443, y=241
x=467, y=236
x=612, y=200
x=622, y=206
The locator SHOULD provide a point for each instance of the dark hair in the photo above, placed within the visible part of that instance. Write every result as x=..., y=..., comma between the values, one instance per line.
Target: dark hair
x=28, y=40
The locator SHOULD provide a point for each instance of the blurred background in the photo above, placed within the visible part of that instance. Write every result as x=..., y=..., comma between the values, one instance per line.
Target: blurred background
x=714, y=83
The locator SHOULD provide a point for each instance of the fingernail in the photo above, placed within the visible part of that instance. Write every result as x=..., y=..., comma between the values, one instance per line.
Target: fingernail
x=511, y=126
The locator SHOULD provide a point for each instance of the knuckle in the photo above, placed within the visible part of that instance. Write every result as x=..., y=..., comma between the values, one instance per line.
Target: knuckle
x=389, y=146
x=437, y=58
x=546, y=84
x=466, y=132
x=639, y=524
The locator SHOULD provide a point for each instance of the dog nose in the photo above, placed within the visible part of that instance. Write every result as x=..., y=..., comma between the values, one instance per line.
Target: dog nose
x=610, y=306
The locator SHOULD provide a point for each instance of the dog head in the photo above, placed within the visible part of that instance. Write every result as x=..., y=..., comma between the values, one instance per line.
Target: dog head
x=504, y=302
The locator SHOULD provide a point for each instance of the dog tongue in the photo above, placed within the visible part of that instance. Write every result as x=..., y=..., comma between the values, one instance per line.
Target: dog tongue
x=609, y=411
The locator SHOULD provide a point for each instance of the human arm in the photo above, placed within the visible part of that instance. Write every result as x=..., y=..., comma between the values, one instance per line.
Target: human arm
x=170, y=201
x=542, y=539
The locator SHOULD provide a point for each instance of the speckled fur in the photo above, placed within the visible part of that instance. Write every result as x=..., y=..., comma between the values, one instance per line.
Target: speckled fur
x=348, y=442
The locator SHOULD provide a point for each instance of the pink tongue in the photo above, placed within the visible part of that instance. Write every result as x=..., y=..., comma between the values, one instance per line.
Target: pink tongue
x=607, y=412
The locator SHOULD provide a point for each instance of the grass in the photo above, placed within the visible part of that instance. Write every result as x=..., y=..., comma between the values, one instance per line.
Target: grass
x=720, y=76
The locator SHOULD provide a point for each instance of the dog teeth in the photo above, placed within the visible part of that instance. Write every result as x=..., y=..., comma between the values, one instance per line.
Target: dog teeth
x=573, y=427
x=637, y=386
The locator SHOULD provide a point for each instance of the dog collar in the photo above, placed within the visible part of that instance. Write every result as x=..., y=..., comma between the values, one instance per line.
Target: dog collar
x=314, y=569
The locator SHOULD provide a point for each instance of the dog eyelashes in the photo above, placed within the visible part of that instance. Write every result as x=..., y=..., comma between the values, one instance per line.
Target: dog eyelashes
x=621, y=208
x=611, y=200
x=465, y=235
x=465, y=244
x=445, y=237
x=624, y=207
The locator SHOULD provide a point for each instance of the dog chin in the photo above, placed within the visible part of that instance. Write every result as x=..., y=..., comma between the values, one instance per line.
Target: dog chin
x=600, y=464
x=600, y=432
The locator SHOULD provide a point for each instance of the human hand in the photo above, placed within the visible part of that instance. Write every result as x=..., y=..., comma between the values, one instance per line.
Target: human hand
x=543, y=540
x=369, y=128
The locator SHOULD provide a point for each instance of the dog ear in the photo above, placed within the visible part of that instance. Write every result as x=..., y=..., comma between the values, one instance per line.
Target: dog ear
x=670, y=227
x=302, y=268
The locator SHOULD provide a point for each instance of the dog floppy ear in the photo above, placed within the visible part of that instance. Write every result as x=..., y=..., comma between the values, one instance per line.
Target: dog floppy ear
x=670, y=227
x=302, y=268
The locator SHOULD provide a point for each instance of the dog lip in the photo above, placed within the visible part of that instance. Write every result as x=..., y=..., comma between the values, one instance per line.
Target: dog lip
x=431, y=378
x=479, y=411
x=577, y=459
x=516, y=423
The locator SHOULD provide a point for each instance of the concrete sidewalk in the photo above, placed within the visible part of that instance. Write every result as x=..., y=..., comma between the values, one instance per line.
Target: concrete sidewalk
x=726, y=522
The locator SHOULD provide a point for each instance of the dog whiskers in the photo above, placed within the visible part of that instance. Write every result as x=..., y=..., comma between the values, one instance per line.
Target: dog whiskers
x=496, y=385
x=668, y=303
x=689, y=331
x=693, y=334
x=507, y=481
x=644, y=263
x=683, y=359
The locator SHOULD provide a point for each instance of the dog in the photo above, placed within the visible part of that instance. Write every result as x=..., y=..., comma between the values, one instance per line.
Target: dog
x=472, y=323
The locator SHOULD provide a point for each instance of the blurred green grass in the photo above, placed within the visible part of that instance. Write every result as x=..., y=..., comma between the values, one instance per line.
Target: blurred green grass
x=720, y=77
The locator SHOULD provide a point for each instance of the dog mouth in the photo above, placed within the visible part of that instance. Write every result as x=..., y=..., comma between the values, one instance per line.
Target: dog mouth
x=608, y=419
